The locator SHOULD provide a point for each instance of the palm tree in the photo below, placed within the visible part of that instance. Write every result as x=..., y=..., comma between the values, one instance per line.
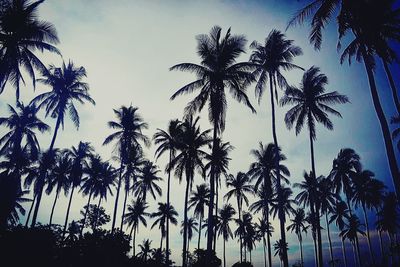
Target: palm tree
x=164, y=212
x=396, y=132
x=240, y=187
x=145, y=250
x=243, y=224
x=225, y=217
x=191, y=227
x=79, y=156
x=59, y=179
x=262, y=229
x=198, y=201
x=168, y=141
x=250, y=237
x=189, y=159
x=351, y=231
x=377, y=189
x=22, y=33
x=298, y=226
x=136, y=214
x=280, y=249
x=147, y=181
x=276, y=54
x=311, y=105
x=67, y=88
x=287, y=203
x=217, y=72
x=339, y=214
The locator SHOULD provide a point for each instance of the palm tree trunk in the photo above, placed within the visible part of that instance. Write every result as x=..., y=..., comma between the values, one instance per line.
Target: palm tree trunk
x=69, y=207
x=355, y=254
x=344, y=252
x=30, y=210
x=392, y=85
x=36, y=210
x=268, y=238
x=185, y=218
x=329, y=238
x=314, y=235
x=86, y=211
x=381, y=244
x=301, y=250
x=168, y=203
x=265, y=253
x=281, y=213
x=134, y=241
x=117, y=197
x=123, y=208
x=200, y=220
x=52, y=209
x=161, y=241
x=225, y=255
x=358, y=251
x=394, y=169
x=368, y=236
x=216, y=213
x=53, y=140
x=240, y=234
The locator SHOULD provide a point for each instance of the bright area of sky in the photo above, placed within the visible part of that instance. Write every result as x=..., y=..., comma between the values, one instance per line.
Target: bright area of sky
x=127, y=48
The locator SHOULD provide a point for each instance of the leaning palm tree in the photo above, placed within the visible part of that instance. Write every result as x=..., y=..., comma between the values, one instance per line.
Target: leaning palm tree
x=164, y=213
x=311, y=105
x=270, y=59
x=217, y=72
x=225, y=217
x=67, y=88
x=136, y=214
x=351, y=231
x=339, y=214
x=59, y=179
x=240, y=187
x=128, y=135
x=298, y=225
x=147, y=181
x=198, y=201
x=167, y=141
x=189, y=159
x=22, y=33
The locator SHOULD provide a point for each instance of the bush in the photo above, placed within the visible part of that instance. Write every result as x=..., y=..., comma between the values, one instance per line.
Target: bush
x=242, y=264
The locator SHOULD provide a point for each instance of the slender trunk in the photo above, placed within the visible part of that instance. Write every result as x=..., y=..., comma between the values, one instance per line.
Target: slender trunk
x=161, y=241
x=250, y=254
x=185, y=218
x=301, y=250
x=124, y=207
x=394, y=169
x=30, y=210
x=344, y=252
x=368, y=236
x=381, y=244
x=134, y=241
x=188, y=251
x=53, y=140
x=130, y=232
x=225, y=255
x=281, y=213
x=392, y=85
x=355, y=254
x=240, y=234
x=168, y=203
x=268, y=239
x=36, y=210
x=265, y=253
x=329, y=239
x=200, y=220
x=216, y=213
x=52, y=209
x=315, y=248
x=97, y=214
x=117, y=197
x=69, y=207
x=358, y=251
x=86, y=211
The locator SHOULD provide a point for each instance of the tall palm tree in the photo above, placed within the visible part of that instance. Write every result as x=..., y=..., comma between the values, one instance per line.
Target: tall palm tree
x=311, y=105
x=388, y=216
x=147, y=181
x=287, y=203
x=59, y=179
x=226, y=214
x=240, y=187
x=67, y=88
x=164, y=212
x=298, y=225
x=270, y=59
x=243, y=225
x=189, y=159
x=199, y=200
x=280, y=248
x=351, y=231
x=79, y=156
x=22, y=33
x=167, y=141
x=339, y=214
x=128, y=135
x=263, y=228
x=378, y=190
x=217, y=72
x=191, y=227
x=136, y=214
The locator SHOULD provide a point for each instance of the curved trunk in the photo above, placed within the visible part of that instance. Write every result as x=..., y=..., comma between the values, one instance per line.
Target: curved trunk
x=69, y=207
x=198, y=242
x=36, y=210
x=329, y=239
x=185, y=218
x=168, y=203
x=123, y=208
x=392, y=85
x=394, y=169
x=86, y=211
x=281, y=213
x=53, y=140
x=344, y=252
x=240, y=234
x=368, y=236
x=30, y=210
x=116, y=198
x=52, y=209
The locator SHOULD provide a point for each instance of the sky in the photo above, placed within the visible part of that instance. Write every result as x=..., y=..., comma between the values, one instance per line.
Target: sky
x=127, y=48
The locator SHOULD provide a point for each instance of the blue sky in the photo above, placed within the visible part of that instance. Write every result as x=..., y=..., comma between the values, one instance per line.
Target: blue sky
x=127, y=48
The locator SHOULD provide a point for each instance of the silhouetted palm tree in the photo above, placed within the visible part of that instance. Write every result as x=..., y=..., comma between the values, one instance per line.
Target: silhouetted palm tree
x=339, y=214
x=22, y=33
x=164, y=212
x=262, y=229
x=240, y=187
x=217, y=72
x=226, y=214
x=351, y=231
x=396, y=132
x=287, y=202
x=129, y=126
x=298, y=225
x=189, y=159
x=136, y=214
x=145, y=250
x=280, y=249
x=67, y=88
x=147, y=181
x=388, y=216
x=270, y=59
x=191, y=227
x=199, y=200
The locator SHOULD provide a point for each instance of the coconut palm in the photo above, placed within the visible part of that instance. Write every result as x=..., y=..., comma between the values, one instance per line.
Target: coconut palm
x=339, y=215
x=388, y=216
x=298, y=225
x=226, y=214
x=136, y=215
x=145, y=250
x=164, y=212
x=128, y=135
x=280, y=249
x=250, y=238
x=147, y=181
x=264, y=229
x=191, y=227
x=217, y=72
x=199, y=200
x=167, y=141
x=286, y=202
x=67, y=88
x=187, y=161
x=22, y=33
x=59, y=179
x=240, y=187
x=351, y=231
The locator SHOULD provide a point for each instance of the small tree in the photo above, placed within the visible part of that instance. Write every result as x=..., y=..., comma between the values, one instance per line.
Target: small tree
x=94, y=213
